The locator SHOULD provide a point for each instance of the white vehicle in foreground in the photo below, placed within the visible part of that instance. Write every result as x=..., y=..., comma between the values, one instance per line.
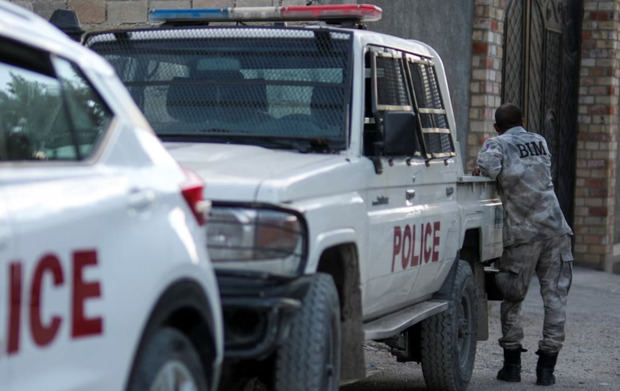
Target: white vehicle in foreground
x=105, y=283
x=341, y=211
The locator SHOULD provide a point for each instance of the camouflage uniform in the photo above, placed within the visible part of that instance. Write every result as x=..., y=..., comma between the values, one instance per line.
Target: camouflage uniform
x=536, y=235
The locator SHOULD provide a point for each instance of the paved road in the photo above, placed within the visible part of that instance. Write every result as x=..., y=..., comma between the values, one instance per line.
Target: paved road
x=590, y=360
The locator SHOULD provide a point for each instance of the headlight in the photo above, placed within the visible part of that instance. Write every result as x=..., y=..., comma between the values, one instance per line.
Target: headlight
x=256, y=239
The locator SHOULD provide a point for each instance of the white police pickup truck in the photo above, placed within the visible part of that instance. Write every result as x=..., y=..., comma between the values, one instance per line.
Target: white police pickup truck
x=105, y=282
x=341, y=212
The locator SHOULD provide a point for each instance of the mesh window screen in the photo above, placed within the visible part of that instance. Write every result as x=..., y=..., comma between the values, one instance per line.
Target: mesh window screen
x=432, y=113
x=391, y=85
x=427, y=89
x=251, y=80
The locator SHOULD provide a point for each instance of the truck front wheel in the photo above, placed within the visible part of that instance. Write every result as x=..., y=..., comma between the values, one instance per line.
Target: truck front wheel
x=167, y=362
x=448, y=339
x=309, y=360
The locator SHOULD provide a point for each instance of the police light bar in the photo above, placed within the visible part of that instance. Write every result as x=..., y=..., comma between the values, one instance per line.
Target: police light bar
x=356, y=12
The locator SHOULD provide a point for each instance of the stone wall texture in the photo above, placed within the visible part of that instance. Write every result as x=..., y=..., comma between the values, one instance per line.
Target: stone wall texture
x=598, y=123
x=108, y=13
x=486, y=77
x=598, y=128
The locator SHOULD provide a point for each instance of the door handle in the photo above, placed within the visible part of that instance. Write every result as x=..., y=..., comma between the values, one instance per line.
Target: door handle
x=409, y=195
x=140, y=199
x=449, y=191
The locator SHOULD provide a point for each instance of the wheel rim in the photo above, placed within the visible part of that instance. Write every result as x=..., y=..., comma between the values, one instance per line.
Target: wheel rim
x=174, y=376
x=464, y=331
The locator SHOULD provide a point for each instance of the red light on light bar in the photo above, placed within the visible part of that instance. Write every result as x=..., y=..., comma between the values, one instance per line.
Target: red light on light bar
x=361, y=12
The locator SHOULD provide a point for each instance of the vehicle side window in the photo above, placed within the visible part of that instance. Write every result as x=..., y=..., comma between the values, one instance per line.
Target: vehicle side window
x=387, y=89
x=48, y=111
x=89, y=116
x=390, y=83
x=432, y=114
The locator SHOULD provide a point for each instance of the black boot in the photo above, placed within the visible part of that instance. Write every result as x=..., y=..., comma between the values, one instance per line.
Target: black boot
x=544, y=368
x=511, y=372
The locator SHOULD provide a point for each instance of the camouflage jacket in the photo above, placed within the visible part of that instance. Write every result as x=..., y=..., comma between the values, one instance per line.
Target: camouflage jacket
x=520, y=162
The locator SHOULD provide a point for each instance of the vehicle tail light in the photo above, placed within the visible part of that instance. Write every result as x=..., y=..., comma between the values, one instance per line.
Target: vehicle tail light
x=192, y=193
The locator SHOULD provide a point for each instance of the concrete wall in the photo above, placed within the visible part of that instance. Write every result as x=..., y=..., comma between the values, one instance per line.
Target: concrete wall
x=446, y=25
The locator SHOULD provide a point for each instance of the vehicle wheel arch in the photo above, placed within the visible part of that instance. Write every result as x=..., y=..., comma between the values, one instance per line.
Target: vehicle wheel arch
x=183, y=305
x=470, y=249
x=341, y=262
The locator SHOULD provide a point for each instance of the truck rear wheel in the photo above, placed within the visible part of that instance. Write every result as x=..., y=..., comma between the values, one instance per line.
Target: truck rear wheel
x=167, y=362
x=309, y=360
x=448, y=339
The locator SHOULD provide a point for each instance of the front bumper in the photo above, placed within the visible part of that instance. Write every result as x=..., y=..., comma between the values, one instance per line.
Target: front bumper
x=258, y=309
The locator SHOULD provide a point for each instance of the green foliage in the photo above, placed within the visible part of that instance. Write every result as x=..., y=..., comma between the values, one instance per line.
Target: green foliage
x=34, y=118
x=28, y=105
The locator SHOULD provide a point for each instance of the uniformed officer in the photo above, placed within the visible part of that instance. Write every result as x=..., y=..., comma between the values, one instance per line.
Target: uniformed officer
x=537, y=239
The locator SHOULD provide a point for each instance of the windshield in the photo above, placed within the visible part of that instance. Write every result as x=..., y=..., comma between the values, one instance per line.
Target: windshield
x=237, y=84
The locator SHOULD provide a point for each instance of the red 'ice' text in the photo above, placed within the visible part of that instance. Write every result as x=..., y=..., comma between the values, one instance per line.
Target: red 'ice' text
x=43, y=333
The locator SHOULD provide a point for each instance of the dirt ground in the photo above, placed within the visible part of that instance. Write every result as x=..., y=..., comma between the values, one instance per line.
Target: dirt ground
x=590, y=359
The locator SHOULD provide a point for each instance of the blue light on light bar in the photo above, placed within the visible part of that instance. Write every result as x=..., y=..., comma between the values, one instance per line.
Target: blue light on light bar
x=182, y=14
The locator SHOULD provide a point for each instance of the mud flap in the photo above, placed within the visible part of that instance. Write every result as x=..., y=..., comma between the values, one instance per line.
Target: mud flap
x=490, y=283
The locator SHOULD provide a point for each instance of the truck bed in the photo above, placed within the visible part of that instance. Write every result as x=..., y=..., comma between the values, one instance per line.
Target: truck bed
x=482, y=208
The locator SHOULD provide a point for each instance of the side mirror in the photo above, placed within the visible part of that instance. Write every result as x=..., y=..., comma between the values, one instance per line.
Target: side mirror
x=399, y=133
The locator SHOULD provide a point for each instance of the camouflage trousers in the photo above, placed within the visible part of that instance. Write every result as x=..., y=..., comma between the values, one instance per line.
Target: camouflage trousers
x=551, y=260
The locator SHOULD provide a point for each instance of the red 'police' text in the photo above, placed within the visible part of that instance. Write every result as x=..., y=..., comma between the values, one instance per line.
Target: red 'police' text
x=415, y=244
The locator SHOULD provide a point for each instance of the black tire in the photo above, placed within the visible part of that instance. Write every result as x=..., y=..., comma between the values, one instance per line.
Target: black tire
x=309, y=360
x=167, y=352
x=448, y=339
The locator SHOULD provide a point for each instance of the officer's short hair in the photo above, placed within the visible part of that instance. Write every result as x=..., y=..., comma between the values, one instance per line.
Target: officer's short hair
x=508, y=116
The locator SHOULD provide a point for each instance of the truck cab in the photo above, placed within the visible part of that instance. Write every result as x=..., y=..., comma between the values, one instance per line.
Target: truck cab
x=340, y=208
